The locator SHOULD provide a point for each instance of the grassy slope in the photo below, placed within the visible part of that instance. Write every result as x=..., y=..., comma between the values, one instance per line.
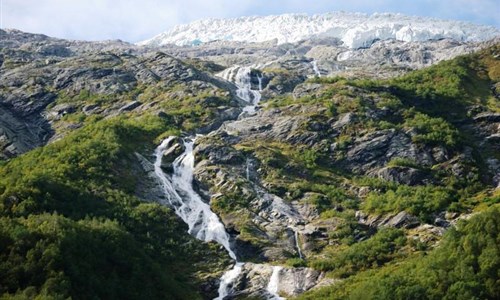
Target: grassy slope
x=434, y=101
x=71, y=227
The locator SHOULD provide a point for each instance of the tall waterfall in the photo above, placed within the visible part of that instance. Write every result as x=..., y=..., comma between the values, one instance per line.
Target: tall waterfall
x=187, y=204
x=202, y=222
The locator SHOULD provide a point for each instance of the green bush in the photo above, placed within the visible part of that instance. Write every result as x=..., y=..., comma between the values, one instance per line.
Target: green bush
x=71, y=227
x=464, y=266
x=433, y=131
x=376, y=251
x=420, y=201
x=403, y=162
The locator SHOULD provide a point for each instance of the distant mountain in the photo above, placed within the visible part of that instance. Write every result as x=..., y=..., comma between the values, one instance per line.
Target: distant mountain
x=355, y=30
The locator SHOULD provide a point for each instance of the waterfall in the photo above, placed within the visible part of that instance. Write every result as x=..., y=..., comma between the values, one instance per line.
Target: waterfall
x=315, y=68
x=273, y=285
x=259, y=78
x=202, y=222
x=241, y=76
x=297, y=244
x=227, y=280
x=247, y=170
x=189, y=206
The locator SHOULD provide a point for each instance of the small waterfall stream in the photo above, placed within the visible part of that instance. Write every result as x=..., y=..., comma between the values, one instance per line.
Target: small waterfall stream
x=297, y=243
x=241, y=76
x=272, y=286
x=228, y=279
x=315, y=68
x=187, y=204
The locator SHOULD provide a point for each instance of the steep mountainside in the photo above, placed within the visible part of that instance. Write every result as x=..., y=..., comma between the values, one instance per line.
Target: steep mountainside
x=250, y=170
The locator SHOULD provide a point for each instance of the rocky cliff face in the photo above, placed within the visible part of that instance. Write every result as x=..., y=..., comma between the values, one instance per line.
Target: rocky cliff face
x=39, y=75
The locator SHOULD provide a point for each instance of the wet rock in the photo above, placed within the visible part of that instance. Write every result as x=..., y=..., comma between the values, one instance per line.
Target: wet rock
x=130, y=106
x=54, y=50
x=306, y=89
x=60, y=110
x=254, y=280
x=219, y=154
x=440, y=154
x=488, y=117
x=494, y=168
x=402, y=175
x=90, y=109
x=376, y=149
x=404, y=220
x=174, y=149
x=441, y=222
x=427, y=233
x=306, y=210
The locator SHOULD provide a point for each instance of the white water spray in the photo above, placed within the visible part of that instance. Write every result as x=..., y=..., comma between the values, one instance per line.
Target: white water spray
x=315, y=68
x=247, y=170
x=241, y=76
x=187, y=204
x=202, y=222
x=227, y=280
x=273, y=285
x=297, y=244
x=259, y=78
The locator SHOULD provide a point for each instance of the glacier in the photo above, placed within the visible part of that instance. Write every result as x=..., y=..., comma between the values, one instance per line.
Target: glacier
x=354, y=30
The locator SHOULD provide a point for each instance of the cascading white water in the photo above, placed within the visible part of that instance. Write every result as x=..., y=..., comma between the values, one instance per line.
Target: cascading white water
x=227, y=280
x=247, y=170
x=202, y=222
x=178, y=189
x=259, y=78
x=273, y=285
x=315, y=68
x=241, y=76
x=297, y=244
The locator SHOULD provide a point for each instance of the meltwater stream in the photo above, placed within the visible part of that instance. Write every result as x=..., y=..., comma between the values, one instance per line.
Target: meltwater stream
x=315, y=68
x=187, y=204
x=241, y=76
x=272, y=286
x=202, y=222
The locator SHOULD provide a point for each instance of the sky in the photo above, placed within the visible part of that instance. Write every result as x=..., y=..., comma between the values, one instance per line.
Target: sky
x=136, y=20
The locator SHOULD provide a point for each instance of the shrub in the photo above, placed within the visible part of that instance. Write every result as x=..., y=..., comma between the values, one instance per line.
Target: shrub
x=420, y=201
x=376, y=251
x=433, y=131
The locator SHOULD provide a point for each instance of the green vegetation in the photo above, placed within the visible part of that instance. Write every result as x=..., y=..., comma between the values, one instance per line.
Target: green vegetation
x=70, y=225
x=229, y=201
x=420, y=201
x=433, y=131
x=464, y=266
x=185, y=109
x=376, y=251
x=403, y=162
